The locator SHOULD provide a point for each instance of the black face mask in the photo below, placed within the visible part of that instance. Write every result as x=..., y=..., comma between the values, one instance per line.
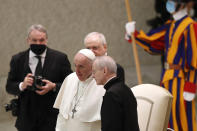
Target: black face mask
x=37, y=48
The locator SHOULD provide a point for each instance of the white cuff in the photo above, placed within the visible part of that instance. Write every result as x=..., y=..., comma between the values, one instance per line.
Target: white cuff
x=127, y=37
x=20, y=87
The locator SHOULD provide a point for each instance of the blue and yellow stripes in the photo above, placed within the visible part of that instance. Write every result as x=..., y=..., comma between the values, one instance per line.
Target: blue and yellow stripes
x=182, y=116
x=178, y=41
x=192, y=46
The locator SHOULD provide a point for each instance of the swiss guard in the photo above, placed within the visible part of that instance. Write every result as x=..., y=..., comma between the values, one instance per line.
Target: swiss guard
x=177, y=41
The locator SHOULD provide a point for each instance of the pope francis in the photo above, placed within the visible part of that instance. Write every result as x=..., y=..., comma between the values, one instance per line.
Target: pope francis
x=80, y=98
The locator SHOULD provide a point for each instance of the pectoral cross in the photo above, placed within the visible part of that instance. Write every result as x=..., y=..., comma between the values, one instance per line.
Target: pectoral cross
x=73, y=111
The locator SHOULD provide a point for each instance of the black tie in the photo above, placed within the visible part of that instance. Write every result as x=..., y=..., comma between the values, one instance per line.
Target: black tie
x=38, y=71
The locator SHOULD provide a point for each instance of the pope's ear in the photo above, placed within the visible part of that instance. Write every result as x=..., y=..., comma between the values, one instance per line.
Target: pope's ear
x=105, y=47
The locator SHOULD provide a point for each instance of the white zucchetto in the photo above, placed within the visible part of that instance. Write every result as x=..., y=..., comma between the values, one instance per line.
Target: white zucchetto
x=88, y=53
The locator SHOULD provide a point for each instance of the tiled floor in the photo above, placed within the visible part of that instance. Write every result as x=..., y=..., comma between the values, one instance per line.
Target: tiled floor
x=7, y=121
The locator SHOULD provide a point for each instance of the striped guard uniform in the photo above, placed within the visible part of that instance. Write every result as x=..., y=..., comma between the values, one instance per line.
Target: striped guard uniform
x=177, y=41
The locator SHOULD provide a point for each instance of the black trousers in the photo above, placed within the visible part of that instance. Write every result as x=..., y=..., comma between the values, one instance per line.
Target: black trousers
x=47, y=124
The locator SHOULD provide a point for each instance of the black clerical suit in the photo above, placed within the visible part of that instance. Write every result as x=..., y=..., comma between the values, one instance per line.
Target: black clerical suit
x=119, y=108
x=37, y=110
x=120, y=73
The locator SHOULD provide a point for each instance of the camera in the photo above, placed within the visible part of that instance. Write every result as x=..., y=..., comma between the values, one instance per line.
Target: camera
x=12, y=106
x=37, y=81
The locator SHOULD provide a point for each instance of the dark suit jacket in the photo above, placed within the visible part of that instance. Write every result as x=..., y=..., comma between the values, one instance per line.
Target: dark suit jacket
x=119, y=108
x=120, y=73
x=37, y=109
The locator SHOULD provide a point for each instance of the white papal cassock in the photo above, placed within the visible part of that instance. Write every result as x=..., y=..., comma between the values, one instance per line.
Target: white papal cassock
x=87, y=96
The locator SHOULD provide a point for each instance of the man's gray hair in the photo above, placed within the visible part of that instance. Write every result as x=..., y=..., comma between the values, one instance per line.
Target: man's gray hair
x=95, y=36
x=38, y=27
x=106, y=61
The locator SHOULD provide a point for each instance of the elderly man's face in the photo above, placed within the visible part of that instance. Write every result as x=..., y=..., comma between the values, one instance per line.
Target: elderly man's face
x=98, y=75
x=37, y=37
x=83, y=67
x=98, y=48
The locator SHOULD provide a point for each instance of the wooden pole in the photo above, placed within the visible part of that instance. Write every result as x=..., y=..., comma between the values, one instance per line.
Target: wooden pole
x=135, y=53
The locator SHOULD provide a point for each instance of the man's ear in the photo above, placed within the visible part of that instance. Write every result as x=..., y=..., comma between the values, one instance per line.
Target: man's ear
x=105, y=70
x=105, y=47
x=27, y=40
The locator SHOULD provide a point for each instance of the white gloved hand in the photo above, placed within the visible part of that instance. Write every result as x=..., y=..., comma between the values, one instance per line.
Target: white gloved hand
x=188, y=96
x=189, y=92
x=130, y=27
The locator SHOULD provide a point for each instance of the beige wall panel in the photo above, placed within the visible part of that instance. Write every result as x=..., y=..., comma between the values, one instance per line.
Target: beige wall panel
x=68, y=21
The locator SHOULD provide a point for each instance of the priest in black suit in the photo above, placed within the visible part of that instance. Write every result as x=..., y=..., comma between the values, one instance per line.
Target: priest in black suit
x=119, y=107
x=36, y=99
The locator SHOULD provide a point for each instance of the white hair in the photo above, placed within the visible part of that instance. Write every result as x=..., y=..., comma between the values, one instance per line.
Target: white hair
x=95, y=37
x=106, y=61
x=38, y=27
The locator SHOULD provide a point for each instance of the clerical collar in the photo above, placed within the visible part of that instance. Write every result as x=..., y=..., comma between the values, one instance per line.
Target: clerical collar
x=109, y=80
x=31, y=54
x=180, y=14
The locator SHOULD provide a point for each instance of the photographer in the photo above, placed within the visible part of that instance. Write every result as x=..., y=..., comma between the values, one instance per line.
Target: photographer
x=35, y=77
